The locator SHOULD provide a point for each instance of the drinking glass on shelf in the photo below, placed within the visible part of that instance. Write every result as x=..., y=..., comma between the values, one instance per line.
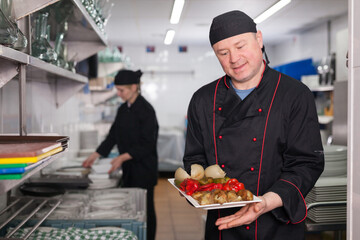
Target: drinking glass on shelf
x=10, y=34
x=41, y=47
x=7, y=32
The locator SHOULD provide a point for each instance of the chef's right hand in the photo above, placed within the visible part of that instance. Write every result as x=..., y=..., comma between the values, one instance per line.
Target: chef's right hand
x=90, y=160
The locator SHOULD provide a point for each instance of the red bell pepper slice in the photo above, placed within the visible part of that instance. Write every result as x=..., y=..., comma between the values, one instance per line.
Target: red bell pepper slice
x=189, y=186
x=234, y=184
x=206, y=187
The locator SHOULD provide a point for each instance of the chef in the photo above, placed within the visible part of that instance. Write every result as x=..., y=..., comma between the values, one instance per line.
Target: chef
x=134, y=132
x=261, y=127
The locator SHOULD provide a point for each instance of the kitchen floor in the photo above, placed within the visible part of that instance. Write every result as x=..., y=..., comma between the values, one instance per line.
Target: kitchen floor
x=178, y=220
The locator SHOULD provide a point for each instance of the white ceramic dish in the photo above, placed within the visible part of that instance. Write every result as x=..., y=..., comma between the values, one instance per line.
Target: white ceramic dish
x=117, y=196
x=331, y=181
x=333, y=149
x=101, y=168
x=109, y=214
x=76, y=196
x=213, y=206
x=103, y=183
x=107, y=204
x=70, y=203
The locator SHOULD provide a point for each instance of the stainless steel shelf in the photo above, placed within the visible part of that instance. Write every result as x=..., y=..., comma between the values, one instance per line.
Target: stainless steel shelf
x=83, y=38
x=80, y=8
x=23, y=8
x=98, y=97
x=10, y=58
x=13, y=55
x=107, y=68
x=52, y=70
x=6, y=185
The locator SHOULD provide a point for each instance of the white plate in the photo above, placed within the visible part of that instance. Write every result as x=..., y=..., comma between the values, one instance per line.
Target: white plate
x=107, y=204
x=70, y=203
x=101, y=214
x=213, y=206
x=117, y=196
x=76, y=196
x=331, y=181
x=96, y=176
x=333, y=149
x=101, y=168
x=103, y=183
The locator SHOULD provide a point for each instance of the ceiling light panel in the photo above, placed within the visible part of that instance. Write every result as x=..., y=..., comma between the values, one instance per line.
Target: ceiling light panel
x=169, y=36
x=272, y=10
x=176, y=11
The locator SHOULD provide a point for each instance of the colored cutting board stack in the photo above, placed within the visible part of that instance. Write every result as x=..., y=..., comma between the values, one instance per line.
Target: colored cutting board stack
x=20, y=154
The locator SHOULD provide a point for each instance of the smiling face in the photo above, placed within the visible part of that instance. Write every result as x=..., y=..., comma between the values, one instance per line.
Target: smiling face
x=127, y=93
x=241, y=58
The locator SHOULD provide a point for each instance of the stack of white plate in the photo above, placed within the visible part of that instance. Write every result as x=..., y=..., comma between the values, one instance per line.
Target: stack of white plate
x=335, y=160
x=328, y=190
x=103, y=183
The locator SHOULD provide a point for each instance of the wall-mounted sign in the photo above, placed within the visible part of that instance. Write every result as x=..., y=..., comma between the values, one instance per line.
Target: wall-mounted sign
x=182, y=48
x=150, y=49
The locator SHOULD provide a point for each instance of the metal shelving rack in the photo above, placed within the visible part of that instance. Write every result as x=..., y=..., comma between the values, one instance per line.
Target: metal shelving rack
x=83, y=39
x=41, y=202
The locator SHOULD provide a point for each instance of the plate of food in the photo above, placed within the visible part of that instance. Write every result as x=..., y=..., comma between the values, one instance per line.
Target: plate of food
x=211, y=189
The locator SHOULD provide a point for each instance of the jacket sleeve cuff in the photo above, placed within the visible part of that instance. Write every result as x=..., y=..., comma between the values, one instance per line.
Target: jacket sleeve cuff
x=104, y=150
x=133, y=154
x=294, y=207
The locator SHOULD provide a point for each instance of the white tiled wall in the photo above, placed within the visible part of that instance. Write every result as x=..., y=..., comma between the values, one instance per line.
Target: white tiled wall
x=170, y=78
x=312, y=43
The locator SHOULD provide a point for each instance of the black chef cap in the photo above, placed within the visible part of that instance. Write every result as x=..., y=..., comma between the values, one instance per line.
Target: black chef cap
x=230, y=24
x=126, y=77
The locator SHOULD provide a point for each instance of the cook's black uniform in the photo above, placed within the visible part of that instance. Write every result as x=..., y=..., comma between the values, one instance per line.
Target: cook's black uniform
x=270, y=141
x=135, y=131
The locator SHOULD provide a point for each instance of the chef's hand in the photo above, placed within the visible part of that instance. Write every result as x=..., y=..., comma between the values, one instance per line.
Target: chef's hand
x=119, y=160
x=90, y=160
x=250, y=212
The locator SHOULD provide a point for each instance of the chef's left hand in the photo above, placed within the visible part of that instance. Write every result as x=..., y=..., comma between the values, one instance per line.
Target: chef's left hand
x=119, y=160
x=116, y=163
x=250, y=212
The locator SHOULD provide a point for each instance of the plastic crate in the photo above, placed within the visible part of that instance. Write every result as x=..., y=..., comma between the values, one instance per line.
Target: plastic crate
x=138, y=228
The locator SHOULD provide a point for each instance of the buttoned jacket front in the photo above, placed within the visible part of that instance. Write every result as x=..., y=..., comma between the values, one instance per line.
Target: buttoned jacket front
x=270, y=141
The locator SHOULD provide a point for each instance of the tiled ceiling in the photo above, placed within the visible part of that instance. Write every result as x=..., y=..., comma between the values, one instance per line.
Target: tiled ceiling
x=144, y=22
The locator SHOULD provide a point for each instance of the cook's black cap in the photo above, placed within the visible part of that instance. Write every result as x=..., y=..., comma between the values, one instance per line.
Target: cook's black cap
x=126, y=77
x=230, y=24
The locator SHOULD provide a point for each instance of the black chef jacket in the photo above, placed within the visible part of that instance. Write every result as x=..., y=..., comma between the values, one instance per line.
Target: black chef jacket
x=270, y=141
x=135, y=131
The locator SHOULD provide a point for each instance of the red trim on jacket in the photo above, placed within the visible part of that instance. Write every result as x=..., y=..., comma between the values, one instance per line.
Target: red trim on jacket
x=225, y=82
x=263, y=143
x=216, y=158
x=262, y=74
x=217, y=84
x=301, y=197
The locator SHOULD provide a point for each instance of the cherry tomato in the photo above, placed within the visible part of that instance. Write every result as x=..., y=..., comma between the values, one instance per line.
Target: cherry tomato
x=226, y=187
